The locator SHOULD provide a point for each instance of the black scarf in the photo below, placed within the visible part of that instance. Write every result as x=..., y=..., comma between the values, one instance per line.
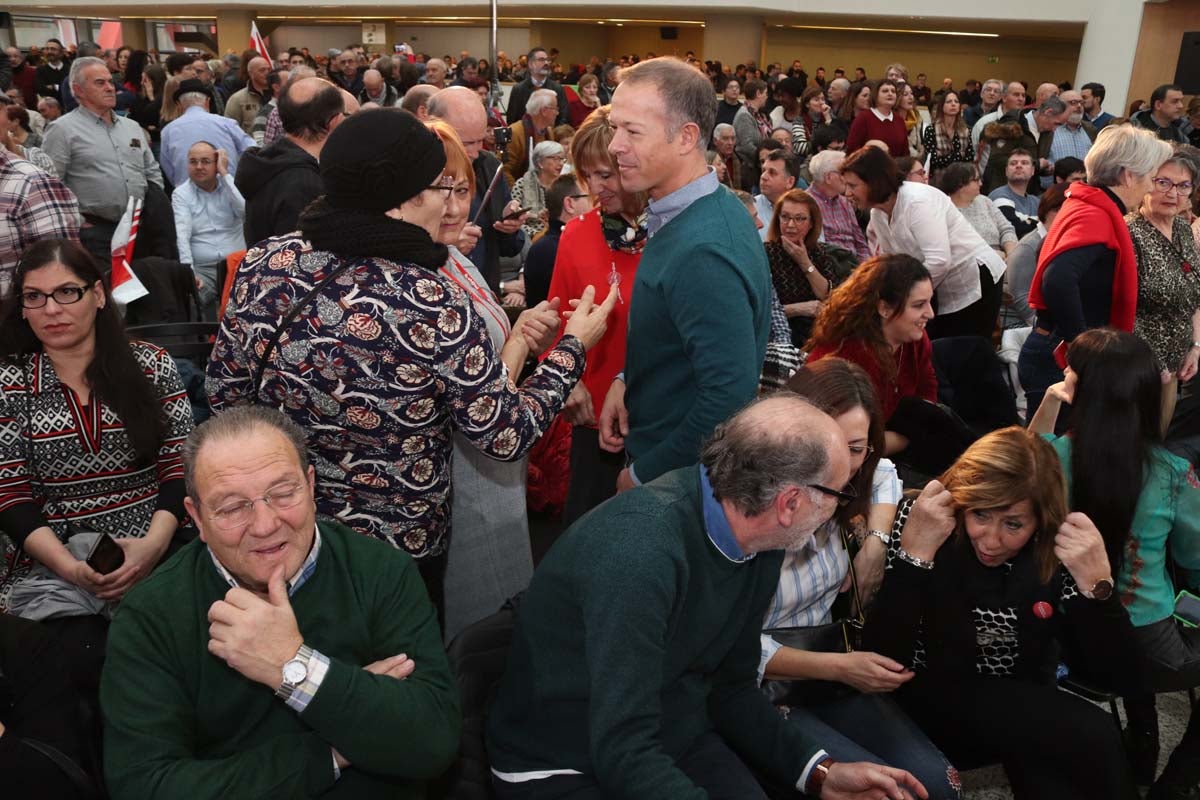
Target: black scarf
x=353, y=232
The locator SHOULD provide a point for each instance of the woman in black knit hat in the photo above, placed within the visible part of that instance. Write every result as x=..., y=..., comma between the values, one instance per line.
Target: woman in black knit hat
x=349, y=329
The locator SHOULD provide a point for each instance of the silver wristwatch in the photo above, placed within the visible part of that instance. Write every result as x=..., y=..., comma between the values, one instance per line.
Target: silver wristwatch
x=295, y=672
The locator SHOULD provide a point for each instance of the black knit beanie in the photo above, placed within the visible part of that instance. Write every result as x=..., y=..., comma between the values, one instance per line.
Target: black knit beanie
x=377, y=159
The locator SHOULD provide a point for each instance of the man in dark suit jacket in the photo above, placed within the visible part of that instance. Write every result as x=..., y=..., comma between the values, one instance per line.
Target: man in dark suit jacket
x=538, y=78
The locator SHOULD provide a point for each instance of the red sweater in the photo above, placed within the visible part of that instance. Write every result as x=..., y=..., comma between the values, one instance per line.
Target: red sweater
x=584, y=258
x=867, y=126
x=914, y=376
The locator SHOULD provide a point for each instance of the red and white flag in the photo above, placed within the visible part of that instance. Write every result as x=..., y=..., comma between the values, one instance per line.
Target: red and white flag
x=125, y=285
x=257, y=43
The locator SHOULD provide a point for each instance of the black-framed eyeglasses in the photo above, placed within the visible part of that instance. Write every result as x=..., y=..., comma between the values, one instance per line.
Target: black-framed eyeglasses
x=63, y=295
x=578, y=196
x=844, y=497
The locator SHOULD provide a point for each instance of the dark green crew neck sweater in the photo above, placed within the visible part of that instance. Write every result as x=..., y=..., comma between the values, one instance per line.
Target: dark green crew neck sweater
x=180, y=723
x=636, y=637
x=699, y=321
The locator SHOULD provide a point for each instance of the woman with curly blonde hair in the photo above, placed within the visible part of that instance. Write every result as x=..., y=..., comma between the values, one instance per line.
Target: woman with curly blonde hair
x=877, y=319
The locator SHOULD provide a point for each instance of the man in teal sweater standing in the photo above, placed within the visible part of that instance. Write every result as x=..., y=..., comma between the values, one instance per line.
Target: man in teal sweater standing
x=701, y=309
x=634, y=665
x=274, y=657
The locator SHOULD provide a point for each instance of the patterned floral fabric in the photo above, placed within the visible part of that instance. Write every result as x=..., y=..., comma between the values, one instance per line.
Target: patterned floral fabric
x=380, y=369
x=1168, y=289
x=83, y=452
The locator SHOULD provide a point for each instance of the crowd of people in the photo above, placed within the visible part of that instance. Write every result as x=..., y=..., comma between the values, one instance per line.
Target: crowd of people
x=867, y=410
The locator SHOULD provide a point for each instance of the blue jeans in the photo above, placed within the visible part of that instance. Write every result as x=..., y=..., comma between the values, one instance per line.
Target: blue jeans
x=1037, y=370
x=709, y=763
x=872, y=727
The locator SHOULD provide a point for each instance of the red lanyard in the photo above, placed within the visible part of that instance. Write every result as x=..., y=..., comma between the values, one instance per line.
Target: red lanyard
x=482, y=297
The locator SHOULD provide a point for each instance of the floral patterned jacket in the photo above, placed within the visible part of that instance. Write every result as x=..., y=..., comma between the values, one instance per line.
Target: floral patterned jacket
x=378, y=370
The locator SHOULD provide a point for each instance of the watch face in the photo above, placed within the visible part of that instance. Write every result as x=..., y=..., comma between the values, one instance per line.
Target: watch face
x=1102, y=590
x=295, y=671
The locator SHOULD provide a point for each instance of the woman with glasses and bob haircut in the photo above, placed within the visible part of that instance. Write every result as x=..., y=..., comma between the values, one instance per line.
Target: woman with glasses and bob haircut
x=989, y=582
x=1146, y=501
x=91, y=425
x=845, y=695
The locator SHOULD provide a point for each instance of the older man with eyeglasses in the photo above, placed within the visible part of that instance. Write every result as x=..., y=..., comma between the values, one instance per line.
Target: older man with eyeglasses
x=276, y=655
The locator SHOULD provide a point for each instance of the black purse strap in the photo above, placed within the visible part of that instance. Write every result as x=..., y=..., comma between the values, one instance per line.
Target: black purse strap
x=857, y=617
x=73, y=771
x=261, y=366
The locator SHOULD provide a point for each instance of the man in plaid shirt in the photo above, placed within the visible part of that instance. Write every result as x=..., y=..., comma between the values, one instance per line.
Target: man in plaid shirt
x=839, y=225
x=33, y=206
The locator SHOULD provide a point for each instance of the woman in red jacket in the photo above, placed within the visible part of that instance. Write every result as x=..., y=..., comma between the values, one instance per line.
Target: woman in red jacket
x=877, y=320
x=601, y=248
x=882, y=121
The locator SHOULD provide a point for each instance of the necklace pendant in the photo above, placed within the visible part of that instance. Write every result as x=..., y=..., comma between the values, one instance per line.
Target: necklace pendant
x=1186, y=267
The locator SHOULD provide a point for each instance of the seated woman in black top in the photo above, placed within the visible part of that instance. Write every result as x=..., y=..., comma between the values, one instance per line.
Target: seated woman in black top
x=987, y=576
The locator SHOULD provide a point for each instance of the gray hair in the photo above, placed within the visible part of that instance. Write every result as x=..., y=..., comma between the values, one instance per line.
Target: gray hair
x=188, y=99
x=751, y=460
x=841, y=83
x=825, y=162
x=1124, y=147
x=999, y=83
x=539, y=100
x=79, y=65
x=1187, y=160
x=686, y=94
x=721, y=129
x=232, y=60
x=1054, y=104
x=236, y=423
x=546, y=149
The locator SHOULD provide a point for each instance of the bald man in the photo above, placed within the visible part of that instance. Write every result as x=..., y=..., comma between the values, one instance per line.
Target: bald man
x=633, y=670
x=494, y=235
x=416, y=100
x=244, y=104
x=280, y=180
x=209, y=217
x=376, y=90
x=435, y=73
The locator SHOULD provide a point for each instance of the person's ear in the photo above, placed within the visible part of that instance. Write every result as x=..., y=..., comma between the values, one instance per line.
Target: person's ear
x=886, y=310
x=193, y=511
x=689, y=137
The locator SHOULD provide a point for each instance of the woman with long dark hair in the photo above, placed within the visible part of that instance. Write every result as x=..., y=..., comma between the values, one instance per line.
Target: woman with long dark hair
x=989, y=581
x=947, y=138
x=1143, y=499
x=845, y=695
x=877, y=320
x=91, y=427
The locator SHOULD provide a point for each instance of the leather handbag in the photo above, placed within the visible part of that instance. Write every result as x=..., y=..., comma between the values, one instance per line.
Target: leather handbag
x=843, y=635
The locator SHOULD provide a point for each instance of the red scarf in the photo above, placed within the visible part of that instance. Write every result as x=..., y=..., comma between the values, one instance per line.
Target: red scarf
x=1089, y=216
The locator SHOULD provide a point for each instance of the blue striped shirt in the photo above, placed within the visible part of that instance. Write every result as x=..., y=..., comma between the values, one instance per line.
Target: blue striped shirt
x=811, y=575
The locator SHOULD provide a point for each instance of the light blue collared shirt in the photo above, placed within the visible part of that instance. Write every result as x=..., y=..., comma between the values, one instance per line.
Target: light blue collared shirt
x=660, y=212
x=716, y=525
x=197, y=125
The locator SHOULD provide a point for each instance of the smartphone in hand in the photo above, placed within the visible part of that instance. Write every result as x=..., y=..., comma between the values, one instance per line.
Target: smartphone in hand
x=106, y=555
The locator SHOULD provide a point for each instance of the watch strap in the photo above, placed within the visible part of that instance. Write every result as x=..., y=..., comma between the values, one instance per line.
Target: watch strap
x=286, y=687
x=816, y=778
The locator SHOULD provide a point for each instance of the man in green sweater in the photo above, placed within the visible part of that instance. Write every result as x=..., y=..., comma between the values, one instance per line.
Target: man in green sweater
x=700, y=314
x=634, y=663
x=274, y=657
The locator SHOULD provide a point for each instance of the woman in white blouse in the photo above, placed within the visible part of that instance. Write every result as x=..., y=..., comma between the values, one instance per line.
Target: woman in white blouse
x=920, y=221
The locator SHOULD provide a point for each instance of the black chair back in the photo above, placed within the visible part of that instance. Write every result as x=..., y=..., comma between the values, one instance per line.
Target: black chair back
x=190, y=340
